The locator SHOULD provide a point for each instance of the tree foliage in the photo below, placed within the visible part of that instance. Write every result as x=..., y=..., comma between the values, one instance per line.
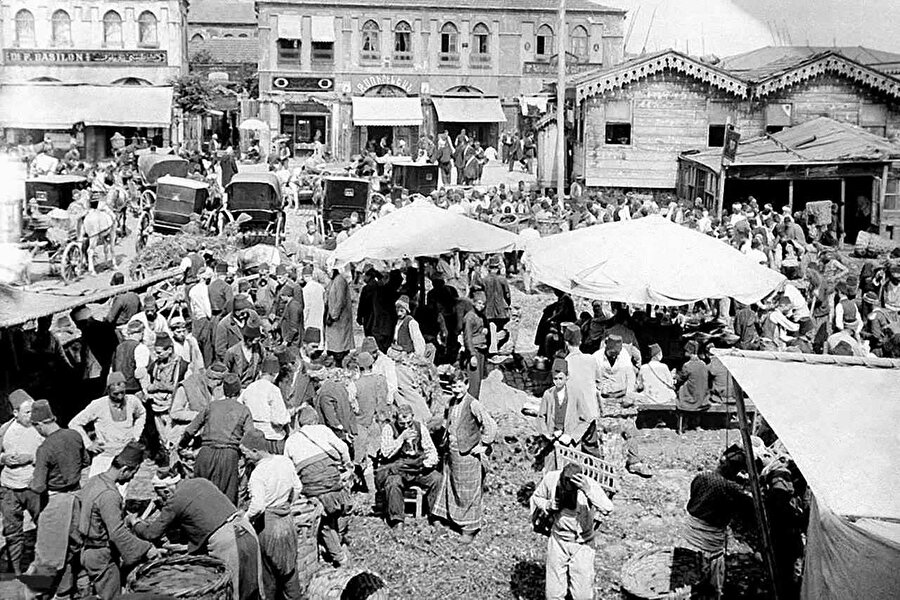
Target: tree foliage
x=193, y=93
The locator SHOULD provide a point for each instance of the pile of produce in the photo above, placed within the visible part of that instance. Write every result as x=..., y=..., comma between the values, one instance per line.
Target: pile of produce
x=166, y=252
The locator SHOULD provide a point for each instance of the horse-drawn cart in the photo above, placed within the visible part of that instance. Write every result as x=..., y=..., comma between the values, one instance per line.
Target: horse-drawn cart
x=255, y=204
x=177, y=198
x=153, y=166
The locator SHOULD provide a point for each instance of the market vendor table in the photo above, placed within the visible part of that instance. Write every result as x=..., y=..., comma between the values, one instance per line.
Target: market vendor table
x=652, y=413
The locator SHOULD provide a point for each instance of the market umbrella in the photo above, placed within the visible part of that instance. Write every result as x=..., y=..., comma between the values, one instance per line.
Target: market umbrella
x=422, y=229
x=648, y=261
x=253, y=125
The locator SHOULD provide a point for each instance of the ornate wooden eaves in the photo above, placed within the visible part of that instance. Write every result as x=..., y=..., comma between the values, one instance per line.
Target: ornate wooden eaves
x=830, y=63
x=667, y=61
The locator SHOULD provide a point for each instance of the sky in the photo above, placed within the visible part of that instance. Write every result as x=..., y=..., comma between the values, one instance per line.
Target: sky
x=726, y=27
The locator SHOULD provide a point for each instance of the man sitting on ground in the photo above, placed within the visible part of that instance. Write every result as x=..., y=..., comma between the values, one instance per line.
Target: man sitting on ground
x=408, y=458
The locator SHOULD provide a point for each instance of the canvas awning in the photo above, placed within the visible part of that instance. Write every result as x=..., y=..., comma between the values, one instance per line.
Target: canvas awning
x=386, y=111
x=838, y=417
x=60, y=106
x=323, y=29
x=290, y=27
x=422, y=229
x=469, y=110
x=648, y=261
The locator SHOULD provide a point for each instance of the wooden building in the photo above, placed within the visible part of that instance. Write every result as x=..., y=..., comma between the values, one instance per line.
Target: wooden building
x=821, y=159
x=634, y=120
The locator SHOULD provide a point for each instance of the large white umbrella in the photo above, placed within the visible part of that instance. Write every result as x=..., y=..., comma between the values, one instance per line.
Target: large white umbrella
x=648, y=261
x=422, y=229
x=253, y=125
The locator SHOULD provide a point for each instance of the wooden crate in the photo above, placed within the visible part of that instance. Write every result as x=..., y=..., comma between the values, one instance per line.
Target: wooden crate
x=596, y=468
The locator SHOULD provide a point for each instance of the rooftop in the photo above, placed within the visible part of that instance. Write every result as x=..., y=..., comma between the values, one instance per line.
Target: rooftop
x=821, y=140
x=763, y=62
x=484, y=5
x=228, y=51
x=232, y=12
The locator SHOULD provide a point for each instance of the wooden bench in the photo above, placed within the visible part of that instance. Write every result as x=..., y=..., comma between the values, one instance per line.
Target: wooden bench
x=669, y=413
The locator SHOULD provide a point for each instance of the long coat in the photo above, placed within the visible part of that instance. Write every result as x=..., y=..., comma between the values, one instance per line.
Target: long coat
x=339, y=317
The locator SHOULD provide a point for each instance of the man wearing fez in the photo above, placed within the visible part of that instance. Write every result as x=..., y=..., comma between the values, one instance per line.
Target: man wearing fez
x=132, y=357
x=244, y=358
x=109, y=546
x=407, y=458
x=167, y=372
x=58, y=464
x=185, y=345
x=220, y=427
x=266, y=405
x=228, y=329
x=118, y=418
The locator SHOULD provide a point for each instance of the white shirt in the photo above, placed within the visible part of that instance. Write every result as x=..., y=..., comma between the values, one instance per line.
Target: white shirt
x=314, y=306
x=310, y=443
x=415, y=333
x=658, y=382
x=273, y=481
x=150, y=331
x=266, y=405
x=199, y=297
x=19, y=439
x=189, y=352
x=798, y=302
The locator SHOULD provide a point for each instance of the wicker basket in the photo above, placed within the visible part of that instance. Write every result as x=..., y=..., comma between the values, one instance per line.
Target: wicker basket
x=820, y=211
x=329, y=584
x=549, y=226
x=648, y=575
x=156, y=577
x=873, y=244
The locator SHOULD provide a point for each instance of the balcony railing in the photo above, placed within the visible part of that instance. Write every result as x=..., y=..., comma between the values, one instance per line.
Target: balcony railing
x=480, y=61
x=448, y=58
x=403, y=57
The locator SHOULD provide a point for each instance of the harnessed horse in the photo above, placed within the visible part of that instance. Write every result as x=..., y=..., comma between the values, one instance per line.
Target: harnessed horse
x=97, y=226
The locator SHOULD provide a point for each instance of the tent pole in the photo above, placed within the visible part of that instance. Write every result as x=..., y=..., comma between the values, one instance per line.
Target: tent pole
x=762, y=518
x=421, y=282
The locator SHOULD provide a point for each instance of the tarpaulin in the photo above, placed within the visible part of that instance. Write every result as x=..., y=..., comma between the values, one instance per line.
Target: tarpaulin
x=469, y=110
x=648, y=261
x=60, y=105
x=290, y=27
x=322, y=29
x=846, y=561
x=839, y=423
x=422, y=229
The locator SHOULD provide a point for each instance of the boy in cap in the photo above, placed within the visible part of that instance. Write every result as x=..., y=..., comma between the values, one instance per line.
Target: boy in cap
x=264, y=400
x=109, y=546
x=18, y=447
x=244, y=358
x=372, y=404
x=132, y=358
x=566, y=418
x=56, y=478
x=220, y=426
x=166, y=374
x=185, y=345
x=118, y=419
x=201, y=314
x=273, y=487
x=475, y=343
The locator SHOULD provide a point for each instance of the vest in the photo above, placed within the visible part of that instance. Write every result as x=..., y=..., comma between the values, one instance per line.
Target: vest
x=404, y=339
x=123, y=361
x=468, y=430
x=410, y=450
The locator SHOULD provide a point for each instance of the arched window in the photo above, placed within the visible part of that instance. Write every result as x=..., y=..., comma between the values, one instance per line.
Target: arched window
x=24, y=28
x=579, y=42
x=242, y=35
x=131, y=81
x=449, y=43
x=371, y=42
x=481, y=40
x=228, y=35
x=197, y=37
x=112, y=29
x=544, y=43
x=147, y=29
x=403, y=42
x=61, y=29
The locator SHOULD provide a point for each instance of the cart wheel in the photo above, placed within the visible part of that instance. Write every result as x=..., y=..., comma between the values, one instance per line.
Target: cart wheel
x=145, y=228
x=148, y=199
x=71, y=262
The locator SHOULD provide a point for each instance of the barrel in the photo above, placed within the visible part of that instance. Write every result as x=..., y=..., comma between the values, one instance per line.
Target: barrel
x=184, y=577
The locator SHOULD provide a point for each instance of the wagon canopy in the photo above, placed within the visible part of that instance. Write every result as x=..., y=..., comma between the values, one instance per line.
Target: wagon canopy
x=153, y=166
x=254, y=192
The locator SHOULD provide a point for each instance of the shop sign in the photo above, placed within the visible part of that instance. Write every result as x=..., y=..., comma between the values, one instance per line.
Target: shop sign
x=376, y=80
x=549, y=68
x=303, y=84
x=19, y=56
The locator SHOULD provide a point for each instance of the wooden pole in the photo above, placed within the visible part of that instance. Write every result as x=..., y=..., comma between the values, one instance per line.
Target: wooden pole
x=759, y=505
x=720, y=202
x=561, y=104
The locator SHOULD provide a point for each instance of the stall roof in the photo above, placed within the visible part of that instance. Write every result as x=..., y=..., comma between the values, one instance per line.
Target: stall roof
x=61, y=105
x=760, y=63
x=386, y=111
x=20, y=306
x=469, y=110
x=821, y=140
x=837, y=416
